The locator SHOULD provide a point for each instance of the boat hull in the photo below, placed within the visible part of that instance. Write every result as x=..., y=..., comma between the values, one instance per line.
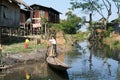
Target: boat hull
x=56, y=63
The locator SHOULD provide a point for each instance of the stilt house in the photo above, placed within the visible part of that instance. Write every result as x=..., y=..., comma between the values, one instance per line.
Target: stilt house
x=49, y=13
x=10, y=15
x=36, y=23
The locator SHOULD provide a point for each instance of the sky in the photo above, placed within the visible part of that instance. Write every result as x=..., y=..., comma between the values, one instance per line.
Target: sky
x=63, y=5
x=59, y=5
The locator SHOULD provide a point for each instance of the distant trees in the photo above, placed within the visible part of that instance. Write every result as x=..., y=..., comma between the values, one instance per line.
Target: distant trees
x=102, y=7
x=71, y=24
x=117, y=4
x=85, y=6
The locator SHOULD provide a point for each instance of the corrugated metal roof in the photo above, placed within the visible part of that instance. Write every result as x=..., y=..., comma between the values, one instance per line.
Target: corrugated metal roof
x=50, y=8
x=21, y=2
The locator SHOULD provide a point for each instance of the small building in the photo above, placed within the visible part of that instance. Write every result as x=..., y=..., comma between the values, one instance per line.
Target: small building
x=35, y=21
x=48, y=13
x=10, y=12
x=10, y=15
x=116, y=26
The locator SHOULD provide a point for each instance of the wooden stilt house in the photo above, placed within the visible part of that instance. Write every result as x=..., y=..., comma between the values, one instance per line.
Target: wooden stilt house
x=40, y=15
x=10, y=15
x=49, y=13
x=24, y=24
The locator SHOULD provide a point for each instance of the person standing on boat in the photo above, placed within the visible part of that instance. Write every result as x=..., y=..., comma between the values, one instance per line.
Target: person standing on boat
x=53, y=42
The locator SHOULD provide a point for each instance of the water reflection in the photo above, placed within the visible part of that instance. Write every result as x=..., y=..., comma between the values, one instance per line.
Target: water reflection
x=34, y=71
x=57, y=75
x=88, y=61
x=93, y=62
x=37, y=71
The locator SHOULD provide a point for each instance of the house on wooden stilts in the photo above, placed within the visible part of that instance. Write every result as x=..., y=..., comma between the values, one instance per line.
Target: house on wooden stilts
x=9, y=18
x=25, y=21
x=41, y=15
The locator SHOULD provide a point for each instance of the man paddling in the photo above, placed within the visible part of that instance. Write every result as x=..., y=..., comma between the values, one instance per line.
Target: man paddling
x=53, y=42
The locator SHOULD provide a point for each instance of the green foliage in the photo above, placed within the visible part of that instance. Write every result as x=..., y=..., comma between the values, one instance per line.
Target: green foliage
x=107, y=33
x=80, y=35
x=19, y=48
x=70, y=24
x=86, y=5
x=118, y=20
x=115, y=44
x=110, y=29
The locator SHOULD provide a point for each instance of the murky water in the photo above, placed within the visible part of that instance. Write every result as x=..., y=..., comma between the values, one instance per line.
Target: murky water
x=88, y=62
x=93, y=63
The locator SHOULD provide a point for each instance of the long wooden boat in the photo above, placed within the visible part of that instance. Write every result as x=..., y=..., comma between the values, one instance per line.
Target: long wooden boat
x=56, y=63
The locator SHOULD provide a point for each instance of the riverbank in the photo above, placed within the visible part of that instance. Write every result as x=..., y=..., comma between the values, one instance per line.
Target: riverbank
x=34, y=53
x=113, y=41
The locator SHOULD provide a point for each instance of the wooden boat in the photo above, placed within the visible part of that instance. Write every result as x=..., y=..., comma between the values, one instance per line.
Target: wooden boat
x=56, y=63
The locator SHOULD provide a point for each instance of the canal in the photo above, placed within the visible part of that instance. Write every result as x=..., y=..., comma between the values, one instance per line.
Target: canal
x=88, y=62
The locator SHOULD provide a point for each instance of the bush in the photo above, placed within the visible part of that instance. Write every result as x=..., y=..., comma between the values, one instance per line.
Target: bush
x=107, y=32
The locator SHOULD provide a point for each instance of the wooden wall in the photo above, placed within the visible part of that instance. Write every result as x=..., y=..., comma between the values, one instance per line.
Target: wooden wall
x=9, y=14
x=48, y=13
x=36, y=14
x=24, y=15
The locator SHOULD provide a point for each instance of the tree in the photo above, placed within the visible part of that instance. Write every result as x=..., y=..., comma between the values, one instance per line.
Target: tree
x=70, y=24
x=117, y=4
x=94, y=6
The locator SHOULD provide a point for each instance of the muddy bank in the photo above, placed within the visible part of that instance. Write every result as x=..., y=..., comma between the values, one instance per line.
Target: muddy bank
x=28, y=58
x=38, y=55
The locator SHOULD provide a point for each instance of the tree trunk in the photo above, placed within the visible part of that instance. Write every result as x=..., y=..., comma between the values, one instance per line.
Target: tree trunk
x=45, y=29
x=105, y=24
x=90, y=21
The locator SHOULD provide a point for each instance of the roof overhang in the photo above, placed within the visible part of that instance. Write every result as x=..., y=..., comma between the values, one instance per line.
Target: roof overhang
x=21, y=2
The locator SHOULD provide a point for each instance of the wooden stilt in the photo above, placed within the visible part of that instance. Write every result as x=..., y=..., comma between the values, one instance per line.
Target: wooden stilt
x=0, y=39
x=0, y=46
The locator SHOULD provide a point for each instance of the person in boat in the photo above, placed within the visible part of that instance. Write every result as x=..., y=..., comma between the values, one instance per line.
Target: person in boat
x=53, y=49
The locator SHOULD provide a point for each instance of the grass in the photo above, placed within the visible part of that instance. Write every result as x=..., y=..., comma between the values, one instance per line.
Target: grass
x=80, y=36
x=19, y=48
x=116, y=44
x=112, y=42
